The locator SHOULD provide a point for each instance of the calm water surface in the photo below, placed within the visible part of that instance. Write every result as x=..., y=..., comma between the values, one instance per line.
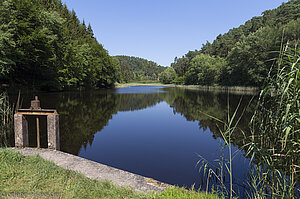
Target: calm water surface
x=152, y=131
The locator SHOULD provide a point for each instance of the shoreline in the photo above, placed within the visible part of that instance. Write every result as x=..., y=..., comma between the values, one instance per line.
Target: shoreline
x=233, y=89
x=95, y=170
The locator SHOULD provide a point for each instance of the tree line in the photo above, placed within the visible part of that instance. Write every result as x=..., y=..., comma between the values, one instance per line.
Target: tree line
x=243, y=56
x=44, y=45
x=137, y=69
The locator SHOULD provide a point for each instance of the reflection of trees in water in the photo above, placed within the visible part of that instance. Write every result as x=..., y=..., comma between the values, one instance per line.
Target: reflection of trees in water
x=131, y=102
x=193, y=104
x=82, y=114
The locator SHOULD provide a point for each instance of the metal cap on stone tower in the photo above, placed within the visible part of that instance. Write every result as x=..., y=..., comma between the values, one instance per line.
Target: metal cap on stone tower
x=35, y=104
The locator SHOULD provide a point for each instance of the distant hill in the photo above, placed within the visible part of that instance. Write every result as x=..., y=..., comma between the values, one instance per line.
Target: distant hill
x=243, y=54
x=137, y=69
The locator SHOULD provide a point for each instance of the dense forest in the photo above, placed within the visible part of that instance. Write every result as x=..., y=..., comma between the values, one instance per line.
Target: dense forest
x=137, y=69
x=44, y=45
x=243, y=56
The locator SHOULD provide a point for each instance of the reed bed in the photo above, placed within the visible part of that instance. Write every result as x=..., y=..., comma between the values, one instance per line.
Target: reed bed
x=275, y=142
x=6, y=118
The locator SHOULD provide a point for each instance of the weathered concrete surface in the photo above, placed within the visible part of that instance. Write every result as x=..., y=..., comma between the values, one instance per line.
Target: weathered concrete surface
x=53, y=131
x=21, y=128
x=96, y=170
x=21, y=131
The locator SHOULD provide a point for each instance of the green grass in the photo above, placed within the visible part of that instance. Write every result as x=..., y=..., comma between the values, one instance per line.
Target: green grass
x=180, y=193
x=231, y=89
x=37, y=178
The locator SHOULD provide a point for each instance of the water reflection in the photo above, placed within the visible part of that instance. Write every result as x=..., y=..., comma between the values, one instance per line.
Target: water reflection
x=200, y=105
x=152, y=131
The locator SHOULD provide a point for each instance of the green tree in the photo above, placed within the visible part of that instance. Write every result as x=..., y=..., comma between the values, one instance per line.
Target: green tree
x=204, y=70
x=248, y=49
x=181, y=65
x=43, y=45
x=7, y=44
x=136, y=69
x=167, y=76
x=252, y=57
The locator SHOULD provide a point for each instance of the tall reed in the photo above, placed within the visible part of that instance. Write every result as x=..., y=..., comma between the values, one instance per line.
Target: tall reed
x=224, y=168
x=6, y=118
x=275, y=142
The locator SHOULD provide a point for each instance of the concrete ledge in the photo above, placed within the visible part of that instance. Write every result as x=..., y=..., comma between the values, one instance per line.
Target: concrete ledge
x=96, y=170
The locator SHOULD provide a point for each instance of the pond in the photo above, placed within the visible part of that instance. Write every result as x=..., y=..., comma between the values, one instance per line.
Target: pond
x=156, y=132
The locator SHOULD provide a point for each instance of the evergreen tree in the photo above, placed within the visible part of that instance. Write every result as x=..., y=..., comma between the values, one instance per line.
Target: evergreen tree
x=7, y=44
x=44, y=45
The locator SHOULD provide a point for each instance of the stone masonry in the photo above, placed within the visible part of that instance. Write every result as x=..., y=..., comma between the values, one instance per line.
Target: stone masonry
x=53, y=131
x=21, y=130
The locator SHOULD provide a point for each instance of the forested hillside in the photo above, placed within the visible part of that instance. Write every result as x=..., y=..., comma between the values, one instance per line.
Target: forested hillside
x=138, y=69
x=44, y=45
x=244, y=55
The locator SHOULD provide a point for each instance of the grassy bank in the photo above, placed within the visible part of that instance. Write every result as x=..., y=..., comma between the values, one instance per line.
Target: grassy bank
x=33, y=177
x=124, y=85
x=237, y=89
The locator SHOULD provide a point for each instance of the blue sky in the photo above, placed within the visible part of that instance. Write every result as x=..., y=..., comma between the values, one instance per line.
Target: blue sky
x=160, y=30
